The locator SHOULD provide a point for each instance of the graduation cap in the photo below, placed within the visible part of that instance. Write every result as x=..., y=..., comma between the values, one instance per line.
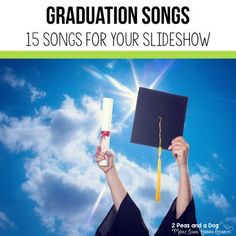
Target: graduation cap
x=159, y=118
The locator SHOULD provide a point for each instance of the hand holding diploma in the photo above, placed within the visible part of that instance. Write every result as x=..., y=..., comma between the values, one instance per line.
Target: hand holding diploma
x=117, y=189
x=105, y=158
x=108, y=155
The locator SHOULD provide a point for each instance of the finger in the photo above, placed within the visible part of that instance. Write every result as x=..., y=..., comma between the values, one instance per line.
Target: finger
x=173, y=142
x=177, y=153
x=177, y=149
x=178, y=144
x=109, y=153
x=180, y=141
x=184, y=145
x=179, y=138
x=100, y=158
x=183, y=148
x=99, y=148
x=100, y=155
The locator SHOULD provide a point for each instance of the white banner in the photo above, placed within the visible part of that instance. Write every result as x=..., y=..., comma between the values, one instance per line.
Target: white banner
x=124, y=25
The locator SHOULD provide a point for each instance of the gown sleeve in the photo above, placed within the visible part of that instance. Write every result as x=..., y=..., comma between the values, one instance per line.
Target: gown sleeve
x=126, y=221
x=170, y=225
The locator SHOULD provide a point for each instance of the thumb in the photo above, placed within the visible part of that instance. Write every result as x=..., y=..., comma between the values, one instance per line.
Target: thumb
x=109, y=153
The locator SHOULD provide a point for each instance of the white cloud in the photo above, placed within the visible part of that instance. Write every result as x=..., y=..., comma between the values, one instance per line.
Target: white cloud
x=63, y=179
x=205, y=172
x=199, y=179
x=218, y=200
x=197, y=183
x=35, y=93
x=10, y=78
x=5, y=222
x=117, y=127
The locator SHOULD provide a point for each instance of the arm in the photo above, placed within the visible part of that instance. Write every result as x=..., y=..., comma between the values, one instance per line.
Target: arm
x=179, y=149
x=117, y=189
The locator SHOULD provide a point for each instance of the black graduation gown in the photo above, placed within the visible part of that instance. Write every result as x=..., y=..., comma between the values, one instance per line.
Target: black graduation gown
x=128, y=221
x=184, y=224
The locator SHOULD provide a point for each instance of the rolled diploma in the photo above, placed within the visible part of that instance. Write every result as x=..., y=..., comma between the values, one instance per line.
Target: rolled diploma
x=106, y=126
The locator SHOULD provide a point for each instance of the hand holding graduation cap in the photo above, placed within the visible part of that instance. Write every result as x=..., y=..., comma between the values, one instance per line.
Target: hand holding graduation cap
x=179, y=148
x=159, y=119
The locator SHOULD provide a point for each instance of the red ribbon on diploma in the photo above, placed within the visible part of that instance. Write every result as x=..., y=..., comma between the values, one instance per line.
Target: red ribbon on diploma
x=103, y=135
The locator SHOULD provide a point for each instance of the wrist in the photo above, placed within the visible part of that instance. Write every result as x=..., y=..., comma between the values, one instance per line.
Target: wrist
x=183, y=168
x=111, y=171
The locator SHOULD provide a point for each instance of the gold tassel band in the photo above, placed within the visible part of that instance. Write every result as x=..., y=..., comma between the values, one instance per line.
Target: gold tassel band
x=158, y=183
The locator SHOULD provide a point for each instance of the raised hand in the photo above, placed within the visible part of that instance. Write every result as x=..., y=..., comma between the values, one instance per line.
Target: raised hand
x=99, y=156
x=180, y=148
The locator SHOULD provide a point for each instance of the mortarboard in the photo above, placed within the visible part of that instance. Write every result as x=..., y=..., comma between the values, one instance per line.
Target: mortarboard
x=159, y=118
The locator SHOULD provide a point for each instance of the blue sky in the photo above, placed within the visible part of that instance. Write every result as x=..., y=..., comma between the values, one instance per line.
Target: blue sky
x=49, y=126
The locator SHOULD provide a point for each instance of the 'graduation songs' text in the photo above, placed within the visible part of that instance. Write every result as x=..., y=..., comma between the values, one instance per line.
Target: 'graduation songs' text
x=117, y=15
